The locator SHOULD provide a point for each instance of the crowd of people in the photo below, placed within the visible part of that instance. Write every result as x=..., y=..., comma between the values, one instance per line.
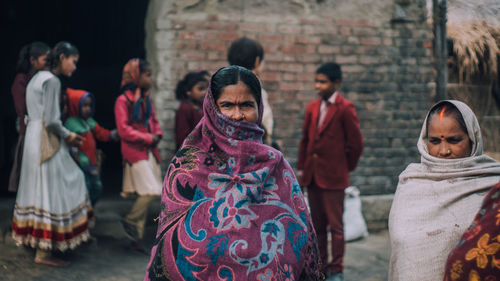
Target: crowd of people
x=232, y=208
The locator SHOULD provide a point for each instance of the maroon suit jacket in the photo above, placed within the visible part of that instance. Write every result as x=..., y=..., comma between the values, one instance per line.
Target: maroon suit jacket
x=329, y=153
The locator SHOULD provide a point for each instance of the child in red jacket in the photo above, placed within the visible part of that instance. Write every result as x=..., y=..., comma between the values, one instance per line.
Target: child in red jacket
x=330, y=148
x=81, y=106
x=140, y=134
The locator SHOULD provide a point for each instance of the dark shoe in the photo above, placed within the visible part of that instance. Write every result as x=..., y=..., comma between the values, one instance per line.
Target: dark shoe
x=130, y=231
x=335, y=277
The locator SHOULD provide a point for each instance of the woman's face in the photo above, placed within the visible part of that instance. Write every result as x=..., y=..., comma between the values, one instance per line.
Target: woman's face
x=39, y=63
x=86, y=110
x=237, y=102
x=197, y=93
x=446, y=139
x=68, y=64
x=146, y=79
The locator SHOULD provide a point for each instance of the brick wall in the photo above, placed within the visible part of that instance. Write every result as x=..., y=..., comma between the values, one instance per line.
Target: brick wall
x=384, y=51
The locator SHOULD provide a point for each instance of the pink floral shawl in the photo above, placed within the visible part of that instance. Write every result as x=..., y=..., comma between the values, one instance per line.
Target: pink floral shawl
x=232, y=209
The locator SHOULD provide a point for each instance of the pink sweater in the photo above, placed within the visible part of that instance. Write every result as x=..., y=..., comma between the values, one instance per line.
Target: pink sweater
x=136, y=138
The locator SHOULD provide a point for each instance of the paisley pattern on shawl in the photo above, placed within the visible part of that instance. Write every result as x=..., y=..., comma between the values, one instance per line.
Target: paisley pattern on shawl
x=232, y=209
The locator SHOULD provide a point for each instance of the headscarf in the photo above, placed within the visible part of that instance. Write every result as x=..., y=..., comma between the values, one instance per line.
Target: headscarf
x=75, y=102
x=435, y=202
x=232, y=209
x=130, y=81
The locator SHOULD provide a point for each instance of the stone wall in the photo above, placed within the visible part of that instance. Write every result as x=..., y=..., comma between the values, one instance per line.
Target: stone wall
x=384, y=48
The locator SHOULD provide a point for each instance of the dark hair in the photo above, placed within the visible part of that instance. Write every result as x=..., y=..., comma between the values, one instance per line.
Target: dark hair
x=230, y=75
x=143, y=65
x=61, y=48
x=449, y=110
x=186, y=84
x=32, y=50
x=204, y=73
x=244, y=51
x=331, y=70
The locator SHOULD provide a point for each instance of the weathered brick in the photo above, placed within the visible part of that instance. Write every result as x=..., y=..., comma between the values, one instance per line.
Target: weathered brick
x=228, y=36
x=213, y=46
x=345, y=30
x=271, y=76
x=287, y=86
x=289, y=29
x=291, y=67
x=325, y=49
x=308, y=39
x=270, y=38
x=369, y=60
x=346, y=59
x=295, y=49
x=372, y=41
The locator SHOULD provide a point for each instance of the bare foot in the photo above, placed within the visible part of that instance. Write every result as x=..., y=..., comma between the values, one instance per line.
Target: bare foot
x=52, y=261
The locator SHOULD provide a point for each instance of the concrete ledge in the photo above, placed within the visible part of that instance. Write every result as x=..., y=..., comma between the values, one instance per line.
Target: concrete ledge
x=376, y=210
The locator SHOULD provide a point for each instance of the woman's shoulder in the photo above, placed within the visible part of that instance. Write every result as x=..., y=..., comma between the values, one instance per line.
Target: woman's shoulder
x=42, y=78
x=122, y=99
x=184, y=105
x=21, y=77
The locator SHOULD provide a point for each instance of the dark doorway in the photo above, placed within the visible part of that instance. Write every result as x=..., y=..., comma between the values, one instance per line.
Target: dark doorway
x=107, y=34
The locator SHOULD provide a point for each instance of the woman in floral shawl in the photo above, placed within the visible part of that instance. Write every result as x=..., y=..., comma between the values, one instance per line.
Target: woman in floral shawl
x=477, y=254
x=231, y=206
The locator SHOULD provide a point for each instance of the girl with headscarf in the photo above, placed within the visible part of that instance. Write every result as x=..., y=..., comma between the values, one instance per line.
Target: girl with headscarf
x=231, y=206
x=436, y=199
x=140, y=134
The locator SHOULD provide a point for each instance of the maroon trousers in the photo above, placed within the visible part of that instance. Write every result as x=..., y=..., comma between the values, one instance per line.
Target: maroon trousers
x=327, y=207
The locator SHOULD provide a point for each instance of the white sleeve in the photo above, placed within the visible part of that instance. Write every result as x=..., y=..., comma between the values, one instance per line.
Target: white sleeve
x=51, y=107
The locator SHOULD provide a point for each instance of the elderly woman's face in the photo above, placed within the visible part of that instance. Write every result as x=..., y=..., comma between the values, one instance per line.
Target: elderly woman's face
x=446, y=139
x=237, y=102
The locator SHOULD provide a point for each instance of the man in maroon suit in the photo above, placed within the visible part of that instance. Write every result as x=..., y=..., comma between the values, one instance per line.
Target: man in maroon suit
x=330, y=148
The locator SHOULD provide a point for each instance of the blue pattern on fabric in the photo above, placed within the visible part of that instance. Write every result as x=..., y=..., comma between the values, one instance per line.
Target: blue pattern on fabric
x=226, y=273
x=272, y=236
x=297, y=238
x=185, y=267
x=217, y=247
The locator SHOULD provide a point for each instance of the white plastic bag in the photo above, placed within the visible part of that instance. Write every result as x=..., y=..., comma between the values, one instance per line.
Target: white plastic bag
x=354, y=223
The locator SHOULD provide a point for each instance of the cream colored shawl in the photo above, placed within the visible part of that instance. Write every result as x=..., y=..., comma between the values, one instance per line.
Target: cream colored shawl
x=434, y=204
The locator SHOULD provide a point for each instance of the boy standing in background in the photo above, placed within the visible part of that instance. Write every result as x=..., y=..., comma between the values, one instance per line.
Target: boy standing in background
x=330, y=148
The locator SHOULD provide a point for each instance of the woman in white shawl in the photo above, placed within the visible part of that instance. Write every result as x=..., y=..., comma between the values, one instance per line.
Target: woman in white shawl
x=436, y=200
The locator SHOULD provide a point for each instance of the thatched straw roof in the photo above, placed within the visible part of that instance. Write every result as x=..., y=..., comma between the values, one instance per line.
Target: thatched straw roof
x=487, y=11
x=474, y=28
x=475, y=49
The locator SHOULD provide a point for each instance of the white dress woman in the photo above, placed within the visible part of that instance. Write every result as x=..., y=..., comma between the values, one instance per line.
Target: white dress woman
x=52, y=209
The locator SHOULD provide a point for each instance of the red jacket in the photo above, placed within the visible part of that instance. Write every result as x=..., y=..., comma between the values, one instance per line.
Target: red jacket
x=329, y=153
x=88, y=128
x=136, y=139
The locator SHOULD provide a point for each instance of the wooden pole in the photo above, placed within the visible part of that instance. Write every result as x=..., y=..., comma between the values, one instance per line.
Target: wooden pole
x=440, y=48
